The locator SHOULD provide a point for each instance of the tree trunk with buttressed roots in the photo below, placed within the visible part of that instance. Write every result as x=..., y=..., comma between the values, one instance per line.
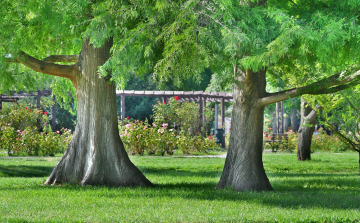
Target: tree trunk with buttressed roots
x=96, y=154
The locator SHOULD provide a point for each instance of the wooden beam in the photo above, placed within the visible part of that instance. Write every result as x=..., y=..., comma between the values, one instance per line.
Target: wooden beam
x=53, y=112
x=201, y=109
x=282, y=117
x=122, y=107
x=277, y=118
x=38, y=97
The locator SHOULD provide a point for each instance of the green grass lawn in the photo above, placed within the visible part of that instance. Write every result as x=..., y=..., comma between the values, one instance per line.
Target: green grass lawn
x=325, y=189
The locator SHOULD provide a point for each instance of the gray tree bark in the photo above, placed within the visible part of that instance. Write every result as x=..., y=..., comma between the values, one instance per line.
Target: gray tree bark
x=243, y=168
x=274, y=125
x=96, y=154
x=286, y=123
x=294, y=121
x=306, y=130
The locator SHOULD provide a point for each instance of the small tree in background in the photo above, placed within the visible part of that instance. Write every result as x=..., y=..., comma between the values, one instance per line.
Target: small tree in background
x=342, y=115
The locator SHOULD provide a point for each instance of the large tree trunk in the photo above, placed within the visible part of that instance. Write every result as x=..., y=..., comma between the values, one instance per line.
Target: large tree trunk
x=243, y=168
x=306, y=131
x=96, y=155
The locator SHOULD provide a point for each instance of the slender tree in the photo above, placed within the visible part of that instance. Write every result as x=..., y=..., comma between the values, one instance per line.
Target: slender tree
x=306, y=130
x=341, y=115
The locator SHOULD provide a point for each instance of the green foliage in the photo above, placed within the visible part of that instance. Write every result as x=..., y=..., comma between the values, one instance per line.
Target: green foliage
x=341, y=115
x=320, y=142
x=19, y=133
x=175, y=126
x=161, y=139
x=324, y=189
x=183, y=116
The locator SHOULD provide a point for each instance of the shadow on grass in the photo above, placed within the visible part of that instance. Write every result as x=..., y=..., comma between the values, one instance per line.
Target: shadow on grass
x=292, y=190
x=24, y=171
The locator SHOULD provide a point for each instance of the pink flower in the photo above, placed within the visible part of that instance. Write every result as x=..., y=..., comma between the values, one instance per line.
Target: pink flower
x=127, y=117
x=154, y=124
x=45, y=113
x=25, y=107
x=210, y=137
x=269, y=137
x=164, y=124
x=127, y=126
x=176, y=98
x=131, y=129
x=270, y=128
x=164, y=102
x=57, y=132
x=145, y=128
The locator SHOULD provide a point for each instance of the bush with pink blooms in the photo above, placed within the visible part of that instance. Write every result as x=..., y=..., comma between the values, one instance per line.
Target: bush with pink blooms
x=175, y=128
x=158, y=139
x=20, y=134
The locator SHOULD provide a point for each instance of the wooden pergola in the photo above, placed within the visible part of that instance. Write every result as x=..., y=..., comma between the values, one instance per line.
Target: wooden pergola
x=200, y=97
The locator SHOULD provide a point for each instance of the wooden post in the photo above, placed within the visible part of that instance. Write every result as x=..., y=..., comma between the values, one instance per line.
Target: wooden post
x=282, y=117
x=122, y=107
x=201, y=109
x=223, y=120
x=223, y=113
x=0, y=101
x=53, y=112
x=216, y=118
x=38, y=96
x=277, y=118
x=203, y=116
x=164, y=99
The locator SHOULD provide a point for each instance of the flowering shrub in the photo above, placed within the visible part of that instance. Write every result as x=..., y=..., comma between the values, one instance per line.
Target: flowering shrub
x=161, y=138
x=319, y=142
x=183, y=116
x=19, y=133
x=325, y=142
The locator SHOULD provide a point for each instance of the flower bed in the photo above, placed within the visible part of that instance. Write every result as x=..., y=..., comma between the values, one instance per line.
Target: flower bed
x=20, y=133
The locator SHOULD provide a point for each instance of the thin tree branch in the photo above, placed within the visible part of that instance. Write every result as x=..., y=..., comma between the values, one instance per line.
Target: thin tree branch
x=331, y=84
x=66, y=71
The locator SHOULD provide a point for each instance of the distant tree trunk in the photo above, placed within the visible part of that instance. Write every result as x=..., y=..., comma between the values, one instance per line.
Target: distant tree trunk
x=243, y=168
x=274, y=126
x=96, y=154
x=286, y=123
x=306, y=131
x=294, y=121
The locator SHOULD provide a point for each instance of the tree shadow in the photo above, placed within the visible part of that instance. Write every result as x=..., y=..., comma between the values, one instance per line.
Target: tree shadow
x=341, y=191
x=24, y=171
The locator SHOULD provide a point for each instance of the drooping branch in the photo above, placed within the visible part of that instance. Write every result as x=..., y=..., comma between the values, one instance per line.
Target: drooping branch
x=327, y=85
x=61, y=58
x=45, y=67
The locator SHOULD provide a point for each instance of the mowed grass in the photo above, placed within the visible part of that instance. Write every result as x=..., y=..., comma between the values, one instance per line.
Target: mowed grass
x=325, y=189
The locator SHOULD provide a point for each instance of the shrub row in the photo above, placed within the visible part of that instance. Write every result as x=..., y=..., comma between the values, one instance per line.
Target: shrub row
x=319, y=142
x=141, y=138
x=24, y=131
